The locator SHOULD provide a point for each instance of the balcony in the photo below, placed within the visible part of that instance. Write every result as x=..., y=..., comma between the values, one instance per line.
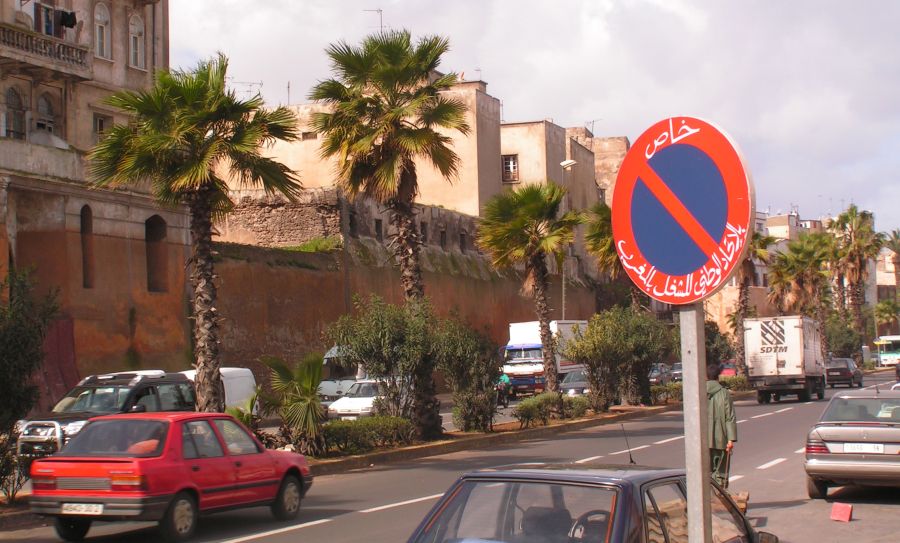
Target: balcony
x=24, y=51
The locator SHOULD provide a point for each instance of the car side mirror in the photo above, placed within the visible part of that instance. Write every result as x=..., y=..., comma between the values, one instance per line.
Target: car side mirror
x=766, y=537
x=138, y=408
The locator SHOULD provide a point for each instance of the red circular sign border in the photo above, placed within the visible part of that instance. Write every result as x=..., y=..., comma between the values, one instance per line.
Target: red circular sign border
x=709, y=278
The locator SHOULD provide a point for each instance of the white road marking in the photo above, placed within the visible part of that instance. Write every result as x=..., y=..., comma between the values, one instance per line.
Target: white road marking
x=742, y=420
x=588, y=459
x=661, y=441
x=761, y=416
x=785, y=409
x=768, y=465
x=623, y=451
x=800, y=450
x=278, y=531
x=734, y=478
x=807, y=403
x=399, y=504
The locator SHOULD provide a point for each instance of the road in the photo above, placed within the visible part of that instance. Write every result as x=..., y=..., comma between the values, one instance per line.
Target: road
x=385, y=503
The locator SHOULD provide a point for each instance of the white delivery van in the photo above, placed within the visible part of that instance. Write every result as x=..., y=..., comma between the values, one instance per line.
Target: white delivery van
x=523, y=354
x=784, y=356
x=239, y=383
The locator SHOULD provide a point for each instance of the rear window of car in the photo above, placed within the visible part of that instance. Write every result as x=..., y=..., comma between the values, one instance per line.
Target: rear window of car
x=837, y=363
x=132, y=438
x=862, y=410
x=103, y=399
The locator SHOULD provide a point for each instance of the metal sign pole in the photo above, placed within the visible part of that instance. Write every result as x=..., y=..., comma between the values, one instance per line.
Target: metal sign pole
x=696, y=437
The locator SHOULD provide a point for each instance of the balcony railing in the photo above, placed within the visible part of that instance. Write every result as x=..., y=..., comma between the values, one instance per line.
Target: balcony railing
x=73, y=58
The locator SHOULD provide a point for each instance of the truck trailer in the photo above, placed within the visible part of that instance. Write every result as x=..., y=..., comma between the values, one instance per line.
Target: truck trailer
x=784, y=357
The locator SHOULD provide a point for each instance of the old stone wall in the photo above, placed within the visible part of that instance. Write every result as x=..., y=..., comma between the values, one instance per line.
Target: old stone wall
x=273, y=221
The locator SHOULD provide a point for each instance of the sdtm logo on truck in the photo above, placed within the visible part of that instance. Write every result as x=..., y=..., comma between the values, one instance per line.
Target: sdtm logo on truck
x=772, y=337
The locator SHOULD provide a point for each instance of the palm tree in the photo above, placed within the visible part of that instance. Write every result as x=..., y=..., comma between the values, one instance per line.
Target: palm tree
x=297, y=399
x=600, y=243
x=757, y=251
x=892, y=242
x=387, y=110
x=860, y=243
x=524, y=226
x=886, y=312
x=184, y=132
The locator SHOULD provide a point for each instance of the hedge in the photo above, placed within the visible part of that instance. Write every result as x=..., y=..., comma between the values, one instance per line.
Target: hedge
x=368, y=433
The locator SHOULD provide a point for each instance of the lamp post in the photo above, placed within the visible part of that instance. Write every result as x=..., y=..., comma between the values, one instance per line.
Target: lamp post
x=566, y=166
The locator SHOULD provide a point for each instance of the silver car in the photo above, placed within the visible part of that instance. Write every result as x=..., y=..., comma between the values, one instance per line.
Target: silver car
x=857, y=441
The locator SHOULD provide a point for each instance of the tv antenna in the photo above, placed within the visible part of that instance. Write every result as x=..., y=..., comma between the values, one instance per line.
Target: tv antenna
x=591, y=124
x=380, y=13
x=250, y=88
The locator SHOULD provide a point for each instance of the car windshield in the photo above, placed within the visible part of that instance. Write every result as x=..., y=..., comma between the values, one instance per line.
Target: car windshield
x=108, y=399
x=574, y=377
x=676, y=367
x=513, y=355
x=512, y=511
x=862, y=410
x=836, y=363
x=133, y=438
x=362, y=390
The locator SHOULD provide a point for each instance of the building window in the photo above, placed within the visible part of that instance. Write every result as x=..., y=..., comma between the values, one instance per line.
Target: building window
x=87, y=247
x=379, y=233
x=443, y=239
x=136, y=42
x=45, y=113
x=102, y=47
x=102, y=123
x=157, y=254
x=43, y=18
x=510, y=168
x=15, y=115
x=306, y=136
x=423, y=231
x=462, y=241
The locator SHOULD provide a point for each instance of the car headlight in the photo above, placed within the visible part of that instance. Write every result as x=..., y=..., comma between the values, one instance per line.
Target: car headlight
x=73, y=427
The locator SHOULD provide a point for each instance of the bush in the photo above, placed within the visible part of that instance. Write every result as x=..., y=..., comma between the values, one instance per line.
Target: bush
x=659, y=394
x=735, y=383
x=474, y=411
x=13, y=474
x=674, y=391
x=575, y=406
x=534, y=409
x=365, y=434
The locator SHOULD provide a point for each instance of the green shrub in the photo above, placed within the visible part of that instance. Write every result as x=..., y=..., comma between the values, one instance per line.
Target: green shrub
x=576, y=406
x=317, y=245
x=474, y=411
x=659, y=394
x=735, y=383
x=674, y=391
x=368, y=433
x=534, y=409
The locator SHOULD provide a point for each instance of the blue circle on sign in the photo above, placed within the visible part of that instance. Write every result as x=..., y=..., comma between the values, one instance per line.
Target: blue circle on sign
x=696, y=180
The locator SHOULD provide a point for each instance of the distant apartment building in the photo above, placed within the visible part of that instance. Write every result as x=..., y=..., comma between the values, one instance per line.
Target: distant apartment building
x=116, y=258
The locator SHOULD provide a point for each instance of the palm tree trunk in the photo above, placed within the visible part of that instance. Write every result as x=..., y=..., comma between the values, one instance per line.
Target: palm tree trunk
x=743, y=309
x=539, y=272
x=856, y=303
x=840, y=290
x=406, y=249
x=210, y=396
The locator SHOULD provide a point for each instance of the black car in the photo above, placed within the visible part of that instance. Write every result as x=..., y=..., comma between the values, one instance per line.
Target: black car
x=843, y=371
x=126, y=392
x=571, y=503
x=575, y=383
x=677, y=372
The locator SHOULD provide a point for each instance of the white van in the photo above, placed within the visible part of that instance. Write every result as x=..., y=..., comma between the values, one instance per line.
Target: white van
x=239, y=383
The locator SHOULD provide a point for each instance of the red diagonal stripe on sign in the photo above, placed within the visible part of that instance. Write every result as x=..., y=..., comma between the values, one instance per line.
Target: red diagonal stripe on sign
x=676, y=208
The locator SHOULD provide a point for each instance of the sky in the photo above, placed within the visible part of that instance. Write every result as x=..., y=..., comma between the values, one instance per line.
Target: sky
x=808, y=89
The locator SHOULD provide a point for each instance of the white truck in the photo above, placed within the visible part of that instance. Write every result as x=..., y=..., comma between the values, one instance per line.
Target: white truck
x=784, y=357
x=524, y=358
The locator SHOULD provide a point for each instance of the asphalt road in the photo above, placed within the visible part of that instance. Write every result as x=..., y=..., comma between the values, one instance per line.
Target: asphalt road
x=385, y=503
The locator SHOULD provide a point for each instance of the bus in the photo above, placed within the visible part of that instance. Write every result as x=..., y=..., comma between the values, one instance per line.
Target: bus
x=888, y=350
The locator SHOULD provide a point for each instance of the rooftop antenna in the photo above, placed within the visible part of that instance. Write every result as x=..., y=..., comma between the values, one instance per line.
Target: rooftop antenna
x=289, y=93
x=478, y=71
x=249, y=86
x=591, y=123
x=380, y=18
x=627, y=446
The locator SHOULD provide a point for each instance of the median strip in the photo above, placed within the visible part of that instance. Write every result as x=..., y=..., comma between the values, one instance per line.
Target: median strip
x=400, y=504
x=768, y=465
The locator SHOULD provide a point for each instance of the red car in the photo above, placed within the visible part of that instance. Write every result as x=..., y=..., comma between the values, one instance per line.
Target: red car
x=166, y=467
x=728, y=370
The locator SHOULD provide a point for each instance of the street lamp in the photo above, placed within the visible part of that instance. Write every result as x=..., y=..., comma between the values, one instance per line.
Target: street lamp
x=566, y=166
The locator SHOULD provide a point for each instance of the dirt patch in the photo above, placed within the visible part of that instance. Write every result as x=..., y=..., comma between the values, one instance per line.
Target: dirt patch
x=17, y=517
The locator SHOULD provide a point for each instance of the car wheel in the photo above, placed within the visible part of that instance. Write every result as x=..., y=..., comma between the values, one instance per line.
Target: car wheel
x=71, y=529
x=180, y=520
x=776, y=397
x=803, y=395
x=817, y=490
x=820, y=392
x=831, y=385
x=287, y=502
x=860, y=384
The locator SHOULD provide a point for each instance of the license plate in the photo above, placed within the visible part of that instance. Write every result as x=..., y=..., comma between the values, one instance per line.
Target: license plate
x=349, y=417
x=873, y=448
x=82, y=509
x=834, y=373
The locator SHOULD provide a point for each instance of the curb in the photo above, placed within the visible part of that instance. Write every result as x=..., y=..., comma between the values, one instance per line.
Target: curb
x=482, y=441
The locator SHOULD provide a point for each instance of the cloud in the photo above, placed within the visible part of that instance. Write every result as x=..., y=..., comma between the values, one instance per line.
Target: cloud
x=807, y=88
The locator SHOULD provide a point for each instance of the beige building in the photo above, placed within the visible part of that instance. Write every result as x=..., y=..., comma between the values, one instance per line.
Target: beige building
x=116, y=259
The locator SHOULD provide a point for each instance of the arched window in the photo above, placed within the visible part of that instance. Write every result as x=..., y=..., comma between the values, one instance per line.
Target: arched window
x=15, y=115
x=136, y=41
x=102, y=47
x=45, y=118
x=157, y=254
x=87, y=247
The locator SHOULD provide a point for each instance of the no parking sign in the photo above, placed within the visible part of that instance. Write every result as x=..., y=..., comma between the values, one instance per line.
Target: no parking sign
x=682, y=210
